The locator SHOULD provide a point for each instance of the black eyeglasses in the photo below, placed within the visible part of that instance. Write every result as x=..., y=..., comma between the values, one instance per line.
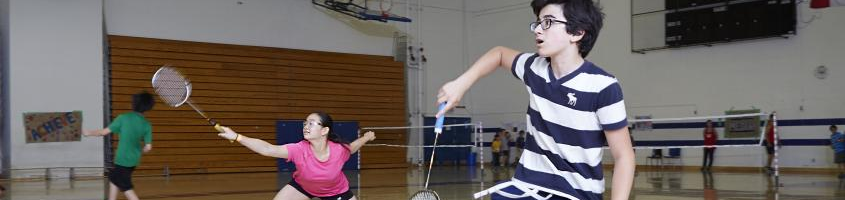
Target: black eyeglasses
x=547, y=23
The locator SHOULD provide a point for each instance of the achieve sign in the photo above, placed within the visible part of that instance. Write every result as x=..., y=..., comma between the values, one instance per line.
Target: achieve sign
x=52, y=126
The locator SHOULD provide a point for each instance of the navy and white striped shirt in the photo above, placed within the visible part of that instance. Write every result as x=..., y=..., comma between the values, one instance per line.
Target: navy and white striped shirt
x=566, y=120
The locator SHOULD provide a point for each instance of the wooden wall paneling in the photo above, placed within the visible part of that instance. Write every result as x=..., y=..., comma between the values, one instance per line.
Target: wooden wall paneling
x=249, y=88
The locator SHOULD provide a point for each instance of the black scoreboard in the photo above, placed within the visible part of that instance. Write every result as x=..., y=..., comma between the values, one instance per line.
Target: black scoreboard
x=691, y=22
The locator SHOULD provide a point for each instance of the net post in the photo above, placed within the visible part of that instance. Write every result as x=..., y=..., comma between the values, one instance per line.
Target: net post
x=775, y=138
x=475, y=143
x=360, y=156
x=481, y=149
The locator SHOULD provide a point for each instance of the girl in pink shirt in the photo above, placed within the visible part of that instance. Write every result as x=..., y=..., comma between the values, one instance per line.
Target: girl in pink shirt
x=318, y=158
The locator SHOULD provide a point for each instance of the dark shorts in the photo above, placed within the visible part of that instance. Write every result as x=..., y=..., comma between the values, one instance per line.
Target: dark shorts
x=121, y=177
x=839, y=158
x=343, y=196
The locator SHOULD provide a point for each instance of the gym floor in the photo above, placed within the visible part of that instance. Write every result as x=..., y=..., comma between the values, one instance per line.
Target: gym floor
x=449, y=182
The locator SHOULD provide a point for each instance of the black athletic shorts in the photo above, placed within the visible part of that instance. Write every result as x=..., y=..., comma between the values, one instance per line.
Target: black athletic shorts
x=121, y=177
x=343, y=196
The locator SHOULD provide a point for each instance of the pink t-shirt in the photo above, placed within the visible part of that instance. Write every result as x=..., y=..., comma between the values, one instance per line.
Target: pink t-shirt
x=321, y=179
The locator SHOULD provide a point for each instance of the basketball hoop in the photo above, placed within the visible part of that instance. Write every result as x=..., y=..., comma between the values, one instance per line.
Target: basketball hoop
x=385, y=13
x=362, y=11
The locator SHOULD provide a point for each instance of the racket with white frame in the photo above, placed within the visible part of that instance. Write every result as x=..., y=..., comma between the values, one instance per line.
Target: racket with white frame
x=175, y=90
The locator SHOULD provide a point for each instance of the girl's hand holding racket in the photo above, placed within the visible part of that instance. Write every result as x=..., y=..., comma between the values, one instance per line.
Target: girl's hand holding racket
x=229, y=134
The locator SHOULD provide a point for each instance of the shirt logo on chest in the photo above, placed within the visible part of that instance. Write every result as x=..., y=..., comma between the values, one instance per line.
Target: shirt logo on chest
x=572, y=99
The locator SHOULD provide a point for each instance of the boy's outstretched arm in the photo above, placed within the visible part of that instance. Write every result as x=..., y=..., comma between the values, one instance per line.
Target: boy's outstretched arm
x=454, y=90
x=98, y=132
x=623, y=165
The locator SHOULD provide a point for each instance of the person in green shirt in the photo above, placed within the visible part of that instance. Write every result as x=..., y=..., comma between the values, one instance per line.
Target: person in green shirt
x=132, y=128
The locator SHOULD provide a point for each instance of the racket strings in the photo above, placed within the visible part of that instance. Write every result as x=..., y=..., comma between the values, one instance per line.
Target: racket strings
x=425, y=195
x=171, y=86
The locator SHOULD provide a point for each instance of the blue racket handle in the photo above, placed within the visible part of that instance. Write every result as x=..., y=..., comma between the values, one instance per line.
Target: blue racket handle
x=438, y=126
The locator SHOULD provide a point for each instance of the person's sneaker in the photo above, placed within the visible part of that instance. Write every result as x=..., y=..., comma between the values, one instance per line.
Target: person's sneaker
x=841, y=176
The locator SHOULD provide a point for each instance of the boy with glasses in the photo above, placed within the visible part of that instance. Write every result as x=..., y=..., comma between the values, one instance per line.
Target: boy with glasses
x=574, y=107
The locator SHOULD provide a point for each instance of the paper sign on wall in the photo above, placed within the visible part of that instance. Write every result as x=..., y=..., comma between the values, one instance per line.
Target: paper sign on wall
x=52, y=126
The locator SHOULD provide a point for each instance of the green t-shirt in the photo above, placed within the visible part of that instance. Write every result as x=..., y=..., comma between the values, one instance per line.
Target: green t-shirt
x=132, y=127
